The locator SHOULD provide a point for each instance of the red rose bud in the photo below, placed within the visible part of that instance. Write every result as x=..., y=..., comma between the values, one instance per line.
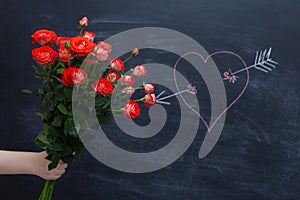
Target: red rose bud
x=82, y=46
x=132, y=110
x=140, y=71
x=65, y=54
x=112, y=77
x=127, y=80
x=89, y=35
x=129, y=91
x=150, y=100
x=84, y=22
x=60, y=42
x=104, y=87
x=117, y=65
x=44, y=37
x=135, y=52
x=102, y=50
x=149, y=88
x=73, y=76
x=45, y=55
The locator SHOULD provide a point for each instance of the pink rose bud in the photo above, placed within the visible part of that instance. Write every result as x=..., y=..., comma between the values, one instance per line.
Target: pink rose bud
x=84, y=22
x=140, y=71
x=117, y=65
x=127, y=80
x=150, y=100
x=129, y=91
x=112, y=77
x=105, y=46
x=149, y=88
x=135, y=52
x=89, y=35
x=101, y=54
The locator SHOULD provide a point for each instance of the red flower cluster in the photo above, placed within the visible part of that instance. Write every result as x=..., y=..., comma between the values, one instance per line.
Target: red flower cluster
x=67, y=49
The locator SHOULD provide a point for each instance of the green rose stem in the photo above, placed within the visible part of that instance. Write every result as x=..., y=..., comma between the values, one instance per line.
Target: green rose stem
x=47, y=190
x=140, y=100
x=128, y=58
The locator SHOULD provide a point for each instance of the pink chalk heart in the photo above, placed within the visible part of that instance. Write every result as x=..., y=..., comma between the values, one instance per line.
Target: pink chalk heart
x=209, y=128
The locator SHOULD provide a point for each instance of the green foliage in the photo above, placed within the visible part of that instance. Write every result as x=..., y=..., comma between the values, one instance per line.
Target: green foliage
x=59, y=136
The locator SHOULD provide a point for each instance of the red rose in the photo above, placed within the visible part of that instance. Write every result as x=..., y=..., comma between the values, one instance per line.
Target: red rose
x=117, y=65
x=73, y=75
x=65, y=54
x=127, y=80
x=150, y=100
x=132, y=110
x=44, y=37
x=104, y=87
x=89, y=35
x=44, y=55
x=82, y=46
x=149, y=88
x=102, y=50
x=140, y=71
x=112, y=77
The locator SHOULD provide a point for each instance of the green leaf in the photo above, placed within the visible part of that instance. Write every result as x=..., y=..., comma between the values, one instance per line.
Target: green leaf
x=27, y=91
x=105, y=120
x=62, y=108
x=58, y=79
x=47, y=115
x=40, y=143
x=56, y=147
x=57, y=121
x=70, y=127
x=40, y=115
x=68, y=92
x=60, y=71
x=68, y=159
x=67, y=151
x=54, y=163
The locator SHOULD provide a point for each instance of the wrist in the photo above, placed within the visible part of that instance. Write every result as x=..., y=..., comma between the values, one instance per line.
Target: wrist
x=34, y=162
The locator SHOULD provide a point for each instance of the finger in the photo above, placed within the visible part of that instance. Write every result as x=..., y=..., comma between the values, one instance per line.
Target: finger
x=58, y=171
x=62, y=166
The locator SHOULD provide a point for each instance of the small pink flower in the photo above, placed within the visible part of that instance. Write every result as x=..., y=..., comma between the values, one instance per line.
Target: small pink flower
x=84, y=22
x=101, y=51
x=129, y=91
x=105, y=46
x=112, y=77
x=149, y=88
x=140, y=71
x=127, y=80
x=135, y=52
x=117, y=65
x=150, y=100
x=89, y=35
x=80, y=77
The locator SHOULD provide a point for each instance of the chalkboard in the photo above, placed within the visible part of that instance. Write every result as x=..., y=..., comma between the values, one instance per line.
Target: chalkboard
x=257, y=154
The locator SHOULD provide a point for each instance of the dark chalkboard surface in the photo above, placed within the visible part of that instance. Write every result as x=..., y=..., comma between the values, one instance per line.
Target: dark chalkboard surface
x=257, y=155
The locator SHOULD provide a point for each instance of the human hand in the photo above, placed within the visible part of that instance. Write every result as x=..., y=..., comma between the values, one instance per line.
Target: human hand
x=40, y=167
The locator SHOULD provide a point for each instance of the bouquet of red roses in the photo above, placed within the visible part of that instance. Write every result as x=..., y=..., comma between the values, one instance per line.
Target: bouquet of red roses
x=59, y=60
